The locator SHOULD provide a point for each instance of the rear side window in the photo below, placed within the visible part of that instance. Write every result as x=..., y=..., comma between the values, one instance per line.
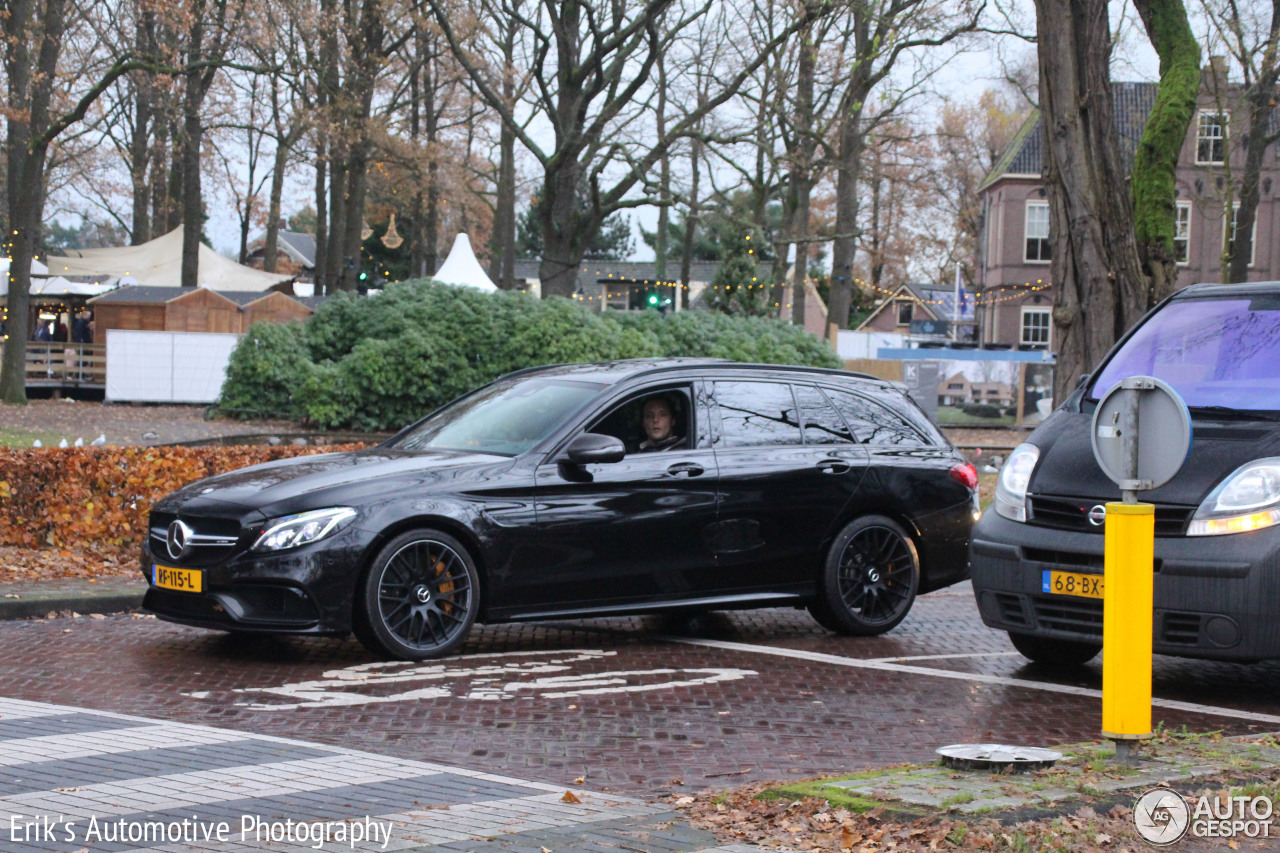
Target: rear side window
x=757, y=414
x=873, y=423
x=822, y=423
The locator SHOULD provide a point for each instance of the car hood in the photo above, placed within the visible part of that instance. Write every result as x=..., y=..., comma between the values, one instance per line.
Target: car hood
x=1067, y=466
x=348, y=478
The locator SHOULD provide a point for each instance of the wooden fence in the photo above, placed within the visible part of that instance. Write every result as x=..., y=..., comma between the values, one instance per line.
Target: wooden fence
x=65, y=365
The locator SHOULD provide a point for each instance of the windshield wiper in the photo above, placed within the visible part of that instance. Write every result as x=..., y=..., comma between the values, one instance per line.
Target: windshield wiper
x=1228, y=413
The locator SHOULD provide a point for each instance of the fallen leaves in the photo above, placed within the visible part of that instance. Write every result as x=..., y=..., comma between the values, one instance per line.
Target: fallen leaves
x=570, y=797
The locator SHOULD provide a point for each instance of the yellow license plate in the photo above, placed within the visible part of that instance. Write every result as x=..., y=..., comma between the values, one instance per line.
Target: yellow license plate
x=1071, y=583
x=183, y=580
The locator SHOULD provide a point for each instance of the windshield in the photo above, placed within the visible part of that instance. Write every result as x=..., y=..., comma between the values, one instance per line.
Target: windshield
x=506, y=418
x=1214, y=352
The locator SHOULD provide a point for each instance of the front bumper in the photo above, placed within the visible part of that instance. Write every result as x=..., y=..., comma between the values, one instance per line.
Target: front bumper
x=1216, y=597
x=307, y=590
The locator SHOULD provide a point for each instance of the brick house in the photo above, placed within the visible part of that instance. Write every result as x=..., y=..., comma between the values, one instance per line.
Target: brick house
x=921, y=305
x=1016, y=294
x=957, y=389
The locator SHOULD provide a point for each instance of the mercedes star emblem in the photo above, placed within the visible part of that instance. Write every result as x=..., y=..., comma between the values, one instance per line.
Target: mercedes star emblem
x=178, y=540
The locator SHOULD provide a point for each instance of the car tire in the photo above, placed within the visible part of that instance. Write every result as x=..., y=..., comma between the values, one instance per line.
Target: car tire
x=419, y=597
x=869, y=580
x=1054, y=652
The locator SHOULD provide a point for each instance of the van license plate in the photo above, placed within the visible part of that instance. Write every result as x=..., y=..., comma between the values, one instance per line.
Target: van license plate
x=1071, y=583
x=183, y=580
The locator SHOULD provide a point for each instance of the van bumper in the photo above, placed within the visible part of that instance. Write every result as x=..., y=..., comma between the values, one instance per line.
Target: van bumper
x=1216, y=597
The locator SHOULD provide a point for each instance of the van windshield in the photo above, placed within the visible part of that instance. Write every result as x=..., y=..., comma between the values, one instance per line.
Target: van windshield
x=1214, y=352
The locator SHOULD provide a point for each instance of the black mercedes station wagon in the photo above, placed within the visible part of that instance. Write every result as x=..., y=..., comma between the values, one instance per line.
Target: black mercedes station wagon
x=1037, y=560
x=581, y=490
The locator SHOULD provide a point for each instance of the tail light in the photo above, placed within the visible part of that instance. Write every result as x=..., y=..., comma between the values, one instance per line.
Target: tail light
x=964, y=472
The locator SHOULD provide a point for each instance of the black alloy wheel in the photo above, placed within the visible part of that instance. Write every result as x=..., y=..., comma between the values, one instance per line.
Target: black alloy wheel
x=870, y=579
x=1050, y=651
x=419, y=598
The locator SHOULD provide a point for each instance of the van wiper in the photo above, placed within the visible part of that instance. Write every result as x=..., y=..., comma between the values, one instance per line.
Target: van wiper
x=1228, y=413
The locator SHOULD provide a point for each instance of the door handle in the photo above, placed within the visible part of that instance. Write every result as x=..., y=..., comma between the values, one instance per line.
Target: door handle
x=689, y=469
x=832, y=466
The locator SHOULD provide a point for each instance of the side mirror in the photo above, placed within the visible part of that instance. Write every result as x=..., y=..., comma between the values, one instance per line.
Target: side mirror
x=591, y=448
x=1084, y=377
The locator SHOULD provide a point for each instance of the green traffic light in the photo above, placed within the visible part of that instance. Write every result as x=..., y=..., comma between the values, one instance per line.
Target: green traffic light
x=653, y=299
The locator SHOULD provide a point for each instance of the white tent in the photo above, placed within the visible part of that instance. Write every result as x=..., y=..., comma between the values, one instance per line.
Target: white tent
x=59, y=286
x=461, y=267
x=159, y=264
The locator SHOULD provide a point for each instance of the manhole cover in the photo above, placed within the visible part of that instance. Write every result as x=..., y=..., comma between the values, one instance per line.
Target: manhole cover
x=988, y=756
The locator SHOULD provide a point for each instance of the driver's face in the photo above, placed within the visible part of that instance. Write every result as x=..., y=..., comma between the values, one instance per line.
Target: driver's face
x=657, y=420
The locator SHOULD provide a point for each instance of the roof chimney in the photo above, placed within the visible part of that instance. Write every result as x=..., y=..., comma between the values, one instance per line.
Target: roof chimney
x=1215, y=73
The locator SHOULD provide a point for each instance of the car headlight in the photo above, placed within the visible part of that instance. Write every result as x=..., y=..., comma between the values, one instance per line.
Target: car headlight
x=1247, y=500
x=1011, y=485
x=290, y=531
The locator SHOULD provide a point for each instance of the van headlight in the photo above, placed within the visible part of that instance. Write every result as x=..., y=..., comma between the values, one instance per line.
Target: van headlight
x=1011, y=485
x=290, y=531
x=1247, y=500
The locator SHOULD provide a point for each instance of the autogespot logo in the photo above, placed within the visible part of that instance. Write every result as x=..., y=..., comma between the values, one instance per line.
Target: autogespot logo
x=1161, y=816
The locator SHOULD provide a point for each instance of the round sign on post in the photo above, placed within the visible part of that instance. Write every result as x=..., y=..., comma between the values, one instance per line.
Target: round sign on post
x=1141, y=424
x=1141, y=437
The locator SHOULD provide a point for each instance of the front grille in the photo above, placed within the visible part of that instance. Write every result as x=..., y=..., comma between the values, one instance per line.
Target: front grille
x=1073, y=514
x=1064, y=558
x=214, y=539
x=1078, y=617
x=1011, y=612
x=1180, y=629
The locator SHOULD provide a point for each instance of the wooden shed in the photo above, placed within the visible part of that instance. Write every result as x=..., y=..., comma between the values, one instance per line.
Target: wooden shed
x=177, y=309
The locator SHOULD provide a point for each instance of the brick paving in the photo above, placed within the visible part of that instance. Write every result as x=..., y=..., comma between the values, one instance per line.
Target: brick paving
x=76, y=780
x=612, y=702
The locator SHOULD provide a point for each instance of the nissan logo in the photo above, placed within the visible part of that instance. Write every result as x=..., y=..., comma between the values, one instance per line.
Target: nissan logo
x=178, y=540
x=1097, y=515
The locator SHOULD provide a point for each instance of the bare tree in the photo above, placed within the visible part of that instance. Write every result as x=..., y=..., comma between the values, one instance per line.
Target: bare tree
x=42, y=101
x=591, y=70
x=1103, y=284
x=886, y=33
x=1253, y=41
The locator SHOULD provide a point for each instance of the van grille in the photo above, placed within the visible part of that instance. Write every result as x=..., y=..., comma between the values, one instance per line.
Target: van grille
x=1073, y=514
x=1078, y=617
x=1181, y=629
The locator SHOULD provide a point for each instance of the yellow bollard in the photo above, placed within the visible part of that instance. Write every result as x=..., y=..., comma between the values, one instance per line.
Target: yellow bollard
x=1128, y=590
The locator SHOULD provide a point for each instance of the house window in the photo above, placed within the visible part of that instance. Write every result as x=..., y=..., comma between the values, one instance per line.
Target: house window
x=1182, y=232
x=1038, y=232
x=904, y=312
x=1230, y=238
x=955, y=386
x=1211, y=138
x=1035, y=327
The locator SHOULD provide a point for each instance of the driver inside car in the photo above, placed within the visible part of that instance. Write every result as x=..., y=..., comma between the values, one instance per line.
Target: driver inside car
x=658, y=420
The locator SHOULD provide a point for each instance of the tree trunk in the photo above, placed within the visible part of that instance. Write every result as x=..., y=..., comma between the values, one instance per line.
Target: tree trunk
x=664, y=180
x=270, y=246
x=431, y=227
x=801, y=170
x=30, y=81
x=192, y=209
x=324, y=271
x=568, y=229
x=844, y=248
x=1101, y=289
x=1156, y=163
x=690, y=220
x=502, y=263
x=1260, y=101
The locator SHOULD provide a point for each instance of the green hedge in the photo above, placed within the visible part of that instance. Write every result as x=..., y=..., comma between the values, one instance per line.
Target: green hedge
x=381, y=362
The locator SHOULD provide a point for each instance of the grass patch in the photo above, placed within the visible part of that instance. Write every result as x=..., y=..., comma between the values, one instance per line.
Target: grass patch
x=14, y=437
x=957, y=800
x=839, y=798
